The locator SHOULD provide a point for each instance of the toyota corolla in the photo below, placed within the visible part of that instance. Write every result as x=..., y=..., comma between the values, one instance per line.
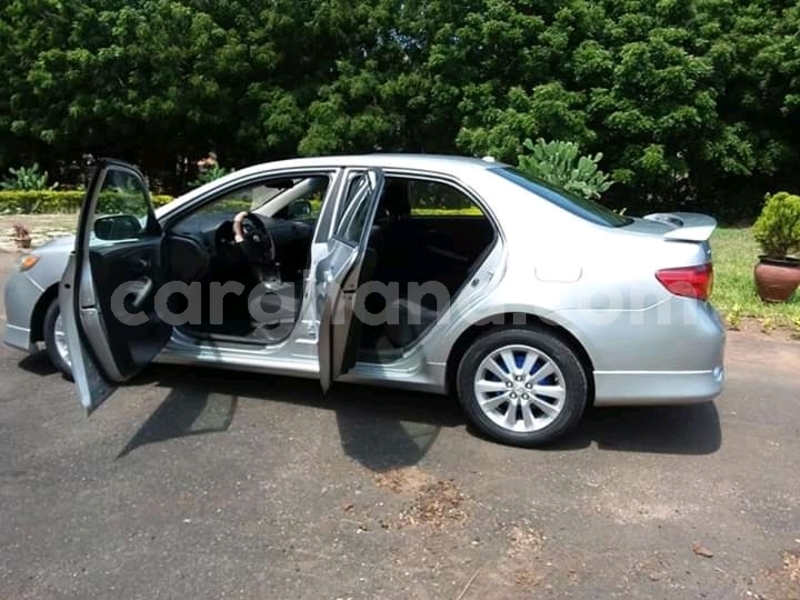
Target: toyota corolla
x=442, y=274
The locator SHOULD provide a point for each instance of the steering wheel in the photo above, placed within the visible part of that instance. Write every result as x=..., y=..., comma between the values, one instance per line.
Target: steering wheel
x=254, y=239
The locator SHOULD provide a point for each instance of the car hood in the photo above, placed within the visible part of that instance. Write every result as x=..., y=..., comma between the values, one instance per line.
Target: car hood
x=57, y=245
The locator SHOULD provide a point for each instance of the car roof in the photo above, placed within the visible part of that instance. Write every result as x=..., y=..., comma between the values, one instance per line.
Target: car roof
x=435, y=162
x=441, y=163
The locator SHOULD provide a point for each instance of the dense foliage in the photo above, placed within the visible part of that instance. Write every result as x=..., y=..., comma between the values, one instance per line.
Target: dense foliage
x=694, y=104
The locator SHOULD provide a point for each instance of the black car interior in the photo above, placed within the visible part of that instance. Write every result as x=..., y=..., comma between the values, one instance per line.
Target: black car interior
x=413, y=249
x=202, y=249
x=403, y=247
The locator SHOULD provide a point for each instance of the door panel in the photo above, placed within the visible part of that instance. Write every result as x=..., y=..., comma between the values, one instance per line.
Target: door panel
x=452, y=245
x=108, y=292
x=135, y=333
x=340, y=272
x=463, y=237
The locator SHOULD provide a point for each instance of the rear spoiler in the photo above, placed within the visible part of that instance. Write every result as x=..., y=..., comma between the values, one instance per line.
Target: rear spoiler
x=688, y=227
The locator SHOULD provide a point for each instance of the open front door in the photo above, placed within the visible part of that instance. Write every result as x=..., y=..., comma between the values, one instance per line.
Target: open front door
x=339, y=274
x=108, y=291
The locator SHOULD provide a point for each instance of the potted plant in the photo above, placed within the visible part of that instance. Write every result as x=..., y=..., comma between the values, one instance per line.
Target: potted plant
x=777, y=230
x=22, y=236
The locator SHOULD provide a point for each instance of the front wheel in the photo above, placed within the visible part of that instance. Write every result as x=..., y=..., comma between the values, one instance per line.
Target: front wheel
x=522, y=386
x=55, y=340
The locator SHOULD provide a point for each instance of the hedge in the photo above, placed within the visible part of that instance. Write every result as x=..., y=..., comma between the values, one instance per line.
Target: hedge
x=54, y=202
x=50, y=202
x=472, y=211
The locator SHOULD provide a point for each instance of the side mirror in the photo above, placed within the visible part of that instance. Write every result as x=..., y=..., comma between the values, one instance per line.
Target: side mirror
x=299, y=209
x=117, y=227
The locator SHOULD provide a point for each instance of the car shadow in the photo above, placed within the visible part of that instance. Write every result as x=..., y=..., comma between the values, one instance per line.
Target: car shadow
x=385, y=429
x=689, y=430
x=380, y=428
x=186, y=411
x=39, y=364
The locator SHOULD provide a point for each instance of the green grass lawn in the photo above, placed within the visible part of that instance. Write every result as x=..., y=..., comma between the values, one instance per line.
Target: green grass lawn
x=735, y=256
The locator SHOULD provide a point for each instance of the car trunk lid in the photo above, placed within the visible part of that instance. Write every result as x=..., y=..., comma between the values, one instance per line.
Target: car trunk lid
x=684, y=226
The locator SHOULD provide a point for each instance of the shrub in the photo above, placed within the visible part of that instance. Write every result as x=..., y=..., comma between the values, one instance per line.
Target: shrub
x=210, y=174
x=472, y=211
x=777, y=229
x=50, y=201
x=27, y=178
x=559, y=163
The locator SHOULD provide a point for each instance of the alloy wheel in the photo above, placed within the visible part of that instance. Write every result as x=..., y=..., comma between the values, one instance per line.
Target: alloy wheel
x=520, y=388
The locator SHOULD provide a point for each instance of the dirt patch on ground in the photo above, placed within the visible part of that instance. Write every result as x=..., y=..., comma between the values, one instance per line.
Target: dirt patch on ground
x=43, y=228
x=755, y=329
x=407, y=480
x=791, y=566
x=781, y=583
x=524, y=539
x=436, y=502
x=524, y=564
x=523, y=555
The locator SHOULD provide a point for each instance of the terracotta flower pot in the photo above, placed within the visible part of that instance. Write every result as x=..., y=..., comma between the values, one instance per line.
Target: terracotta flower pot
x=777, y=279
x=23, y=242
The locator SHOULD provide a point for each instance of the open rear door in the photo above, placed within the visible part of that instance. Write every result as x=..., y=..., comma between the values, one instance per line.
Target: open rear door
x=338, y=275
x=108, y=291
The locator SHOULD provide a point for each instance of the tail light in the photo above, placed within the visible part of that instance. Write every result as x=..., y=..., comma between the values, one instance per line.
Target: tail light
x=689, y=282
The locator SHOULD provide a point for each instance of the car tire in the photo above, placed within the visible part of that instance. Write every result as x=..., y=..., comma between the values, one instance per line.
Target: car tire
x=51, y=344
x=518, y=405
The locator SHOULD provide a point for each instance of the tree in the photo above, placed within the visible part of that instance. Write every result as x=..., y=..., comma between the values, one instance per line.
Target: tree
x=693, y=103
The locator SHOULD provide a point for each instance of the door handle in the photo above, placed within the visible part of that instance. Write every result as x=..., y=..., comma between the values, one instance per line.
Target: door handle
x=140, y=266
x=142, y=293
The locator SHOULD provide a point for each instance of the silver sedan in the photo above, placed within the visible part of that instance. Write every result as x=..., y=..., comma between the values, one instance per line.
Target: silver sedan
x=442, y=274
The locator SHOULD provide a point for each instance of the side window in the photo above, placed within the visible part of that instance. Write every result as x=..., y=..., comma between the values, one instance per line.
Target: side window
x=247, y=198
x=357, y=208
x=298, y=198
x=436, y=198
x=306, y=196
x=122, y=208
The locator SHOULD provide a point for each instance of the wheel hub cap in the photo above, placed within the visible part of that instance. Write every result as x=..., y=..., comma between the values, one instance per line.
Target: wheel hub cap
x=520, y=388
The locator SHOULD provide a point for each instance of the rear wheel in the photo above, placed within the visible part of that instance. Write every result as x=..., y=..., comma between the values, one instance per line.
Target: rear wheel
x=55, y=340
x=522, y=386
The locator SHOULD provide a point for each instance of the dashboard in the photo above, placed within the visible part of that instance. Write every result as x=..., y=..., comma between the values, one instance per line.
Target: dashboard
x=203, y=245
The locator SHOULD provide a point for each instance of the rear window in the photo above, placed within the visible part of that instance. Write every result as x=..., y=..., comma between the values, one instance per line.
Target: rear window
x=577, y=205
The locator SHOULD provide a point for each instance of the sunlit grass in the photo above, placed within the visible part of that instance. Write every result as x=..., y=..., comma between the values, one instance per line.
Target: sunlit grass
x=735, y=256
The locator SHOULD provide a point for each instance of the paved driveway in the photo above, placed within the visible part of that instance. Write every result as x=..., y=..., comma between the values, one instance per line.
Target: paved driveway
x=202, y=484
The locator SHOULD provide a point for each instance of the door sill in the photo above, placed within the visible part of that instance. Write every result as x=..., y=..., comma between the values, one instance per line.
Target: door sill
x=247, y=340
x=381, y=357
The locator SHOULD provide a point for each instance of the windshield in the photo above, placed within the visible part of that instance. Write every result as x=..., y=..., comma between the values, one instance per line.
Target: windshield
x=582, y=207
